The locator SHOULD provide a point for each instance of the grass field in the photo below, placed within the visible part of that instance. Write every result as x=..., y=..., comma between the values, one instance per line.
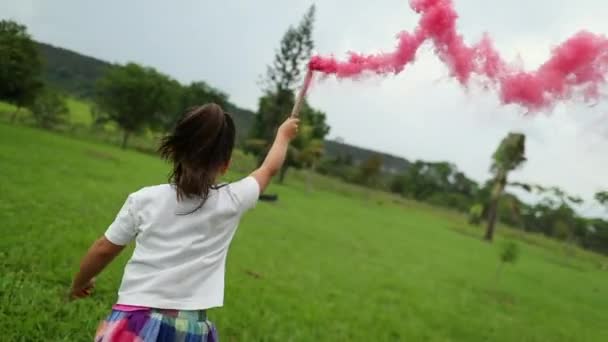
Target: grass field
x=327, y=265
x=79, y=111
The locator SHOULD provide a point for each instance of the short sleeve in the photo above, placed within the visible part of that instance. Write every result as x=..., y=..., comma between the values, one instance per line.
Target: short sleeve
x=124, y=228
x=245, y=192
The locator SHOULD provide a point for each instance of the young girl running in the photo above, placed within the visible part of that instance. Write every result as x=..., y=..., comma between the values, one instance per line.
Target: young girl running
x=182, y=232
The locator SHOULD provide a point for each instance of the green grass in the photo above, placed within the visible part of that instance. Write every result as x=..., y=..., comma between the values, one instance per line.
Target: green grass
x=5, y=107
x=334, y=264
x=80, y=112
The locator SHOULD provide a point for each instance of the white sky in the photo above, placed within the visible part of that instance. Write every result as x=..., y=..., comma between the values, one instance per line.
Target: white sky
x=420, y=113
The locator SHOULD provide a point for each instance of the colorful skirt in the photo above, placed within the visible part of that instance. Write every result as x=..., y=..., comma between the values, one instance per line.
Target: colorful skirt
x=155, y=325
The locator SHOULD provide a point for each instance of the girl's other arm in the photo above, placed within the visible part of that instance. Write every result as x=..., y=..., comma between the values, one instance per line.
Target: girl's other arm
x=276, y=156
x=100, y=254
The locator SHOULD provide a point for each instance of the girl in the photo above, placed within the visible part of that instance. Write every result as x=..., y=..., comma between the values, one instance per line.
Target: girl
x=182, y=232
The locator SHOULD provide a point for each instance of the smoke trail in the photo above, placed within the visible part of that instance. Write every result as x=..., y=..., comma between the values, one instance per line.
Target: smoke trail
x=576, y=67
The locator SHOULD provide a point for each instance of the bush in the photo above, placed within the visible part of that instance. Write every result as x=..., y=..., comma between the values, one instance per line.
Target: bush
x=508, y=255
x=49, y=109
x=475, y=214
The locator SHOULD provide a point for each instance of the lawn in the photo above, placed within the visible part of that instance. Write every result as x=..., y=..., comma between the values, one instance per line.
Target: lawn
x=79, y=112
x=333, y=264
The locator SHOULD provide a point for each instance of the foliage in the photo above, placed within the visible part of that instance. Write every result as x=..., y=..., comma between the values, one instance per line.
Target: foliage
x=340, y=167
x=475, y=214
x=602, y=198
x=285, y=73
x=198, y=93
x=20, y=65
x=369, y=171
x=282, y=78
x=509, y=253
x=49, y=108
x=398, y=184
x=510, y=154
x=439, y=183
x=336, y=149
x=136, y=97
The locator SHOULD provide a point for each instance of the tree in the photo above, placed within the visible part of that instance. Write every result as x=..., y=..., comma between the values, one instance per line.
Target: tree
x=20, y=66
x=398, y=184
x=438, y=183
x=310, y=152
x=282, y=78
x=369, y=170
x=307, y=148
x=49, y=108
x=196, y=94
x=509, y=155
x=285, y=73
x=602, y=198
x=136, y=97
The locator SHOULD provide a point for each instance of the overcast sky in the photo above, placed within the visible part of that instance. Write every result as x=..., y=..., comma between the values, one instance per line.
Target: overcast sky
x=419, y=114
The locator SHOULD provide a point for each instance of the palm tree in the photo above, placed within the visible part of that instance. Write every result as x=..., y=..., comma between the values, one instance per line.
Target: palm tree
x=509, y=155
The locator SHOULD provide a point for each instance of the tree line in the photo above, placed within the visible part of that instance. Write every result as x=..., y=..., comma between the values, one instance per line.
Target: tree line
x=442, y=184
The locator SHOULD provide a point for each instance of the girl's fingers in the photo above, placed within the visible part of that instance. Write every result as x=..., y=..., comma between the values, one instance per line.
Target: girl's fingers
x=82, y=293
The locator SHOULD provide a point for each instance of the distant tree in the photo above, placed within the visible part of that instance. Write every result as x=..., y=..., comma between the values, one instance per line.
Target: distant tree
x=340, y=166
x=20, y=66
x=509, y=156
x=310, y=152
x=602, y=198
x=417, y=181
x=135, y=97
x=49, y=108
x=199, y=93
x=369, y=170
x=398, y=184
x=307, y=148
x=289, y=65
x=282, y=77
x=553, y=215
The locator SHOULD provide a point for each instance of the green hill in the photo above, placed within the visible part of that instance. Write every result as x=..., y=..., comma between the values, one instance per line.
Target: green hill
x=337, y=264
x=71, y=71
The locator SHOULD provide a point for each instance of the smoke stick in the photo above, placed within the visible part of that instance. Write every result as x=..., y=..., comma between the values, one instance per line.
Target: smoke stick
x=295, y=112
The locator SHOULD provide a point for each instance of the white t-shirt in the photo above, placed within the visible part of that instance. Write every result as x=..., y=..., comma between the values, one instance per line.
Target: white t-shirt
x=180, y=257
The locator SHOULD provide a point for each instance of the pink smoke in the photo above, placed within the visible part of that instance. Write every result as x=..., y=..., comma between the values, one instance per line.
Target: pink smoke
x=577, y=66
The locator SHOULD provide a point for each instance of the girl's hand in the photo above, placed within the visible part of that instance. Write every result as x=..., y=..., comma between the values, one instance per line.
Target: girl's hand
x=82, y=292
x=289, y=129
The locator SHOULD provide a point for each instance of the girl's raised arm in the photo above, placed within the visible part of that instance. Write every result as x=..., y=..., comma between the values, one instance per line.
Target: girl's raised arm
x=276, y=156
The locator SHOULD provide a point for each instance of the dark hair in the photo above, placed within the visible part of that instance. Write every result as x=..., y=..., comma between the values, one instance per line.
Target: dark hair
x=199, y=146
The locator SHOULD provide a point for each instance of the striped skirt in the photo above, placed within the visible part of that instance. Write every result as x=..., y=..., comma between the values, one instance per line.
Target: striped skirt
x=152, y=325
